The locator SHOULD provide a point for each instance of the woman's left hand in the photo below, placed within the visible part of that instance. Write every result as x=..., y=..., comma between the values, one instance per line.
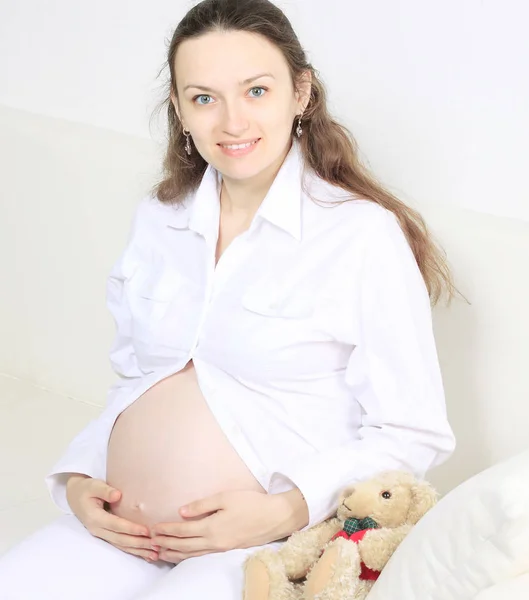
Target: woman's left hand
x=239, y=519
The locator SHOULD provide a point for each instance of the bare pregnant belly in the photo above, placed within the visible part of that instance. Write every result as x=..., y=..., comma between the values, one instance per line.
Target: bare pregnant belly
x=167, y=449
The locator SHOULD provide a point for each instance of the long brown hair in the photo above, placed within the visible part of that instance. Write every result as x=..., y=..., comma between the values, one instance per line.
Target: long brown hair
x=328, y=147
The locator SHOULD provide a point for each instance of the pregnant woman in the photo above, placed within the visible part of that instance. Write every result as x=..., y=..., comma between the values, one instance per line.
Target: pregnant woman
x=274, y=336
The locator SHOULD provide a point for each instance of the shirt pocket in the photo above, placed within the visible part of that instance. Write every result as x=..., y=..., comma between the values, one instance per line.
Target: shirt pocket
x=163, y=307
x=150, y=291
x=276, y=299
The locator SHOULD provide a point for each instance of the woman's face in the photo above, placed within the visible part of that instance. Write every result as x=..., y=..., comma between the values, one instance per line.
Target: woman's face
x=219, y=104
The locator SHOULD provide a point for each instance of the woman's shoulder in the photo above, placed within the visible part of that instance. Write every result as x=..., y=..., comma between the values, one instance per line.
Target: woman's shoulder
x=329, y=204
x=151, y=212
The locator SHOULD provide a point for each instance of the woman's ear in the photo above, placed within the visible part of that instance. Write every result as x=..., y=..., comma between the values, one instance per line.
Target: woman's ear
x=174, y=102
x=303, y=90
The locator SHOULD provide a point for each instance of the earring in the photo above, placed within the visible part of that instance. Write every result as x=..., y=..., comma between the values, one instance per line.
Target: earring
x=299, y=131
x=188, y=143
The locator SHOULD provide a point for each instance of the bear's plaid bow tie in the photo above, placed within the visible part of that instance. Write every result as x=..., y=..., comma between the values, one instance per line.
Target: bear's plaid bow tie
x=353, y=525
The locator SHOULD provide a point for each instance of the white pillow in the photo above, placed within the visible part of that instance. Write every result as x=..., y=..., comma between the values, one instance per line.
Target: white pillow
x=516, y=588
x=476, y=537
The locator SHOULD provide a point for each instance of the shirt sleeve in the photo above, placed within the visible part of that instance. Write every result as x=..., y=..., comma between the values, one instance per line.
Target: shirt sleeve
x=393, y=373
x=87, y=452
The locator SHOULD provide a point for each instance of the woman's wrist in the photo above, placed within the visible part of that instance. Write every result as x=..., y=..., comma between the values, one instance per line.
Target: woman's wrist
x=74, y=478
x=293, y=511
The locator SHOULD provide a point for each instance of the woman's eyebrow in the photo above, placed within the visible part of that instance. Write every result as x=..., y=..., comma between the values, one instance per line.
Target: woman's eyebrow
x=241, y=83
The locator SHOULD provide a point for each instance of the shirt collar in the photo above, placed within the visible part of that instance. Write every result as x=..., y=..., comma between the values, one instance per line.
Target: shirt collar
x=281, y=206
x=201, y=210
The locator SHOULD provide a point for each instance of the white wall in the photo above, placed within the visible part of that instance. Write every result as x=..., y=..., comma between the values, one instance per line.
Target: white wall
x=68, y=192
x=435, y=95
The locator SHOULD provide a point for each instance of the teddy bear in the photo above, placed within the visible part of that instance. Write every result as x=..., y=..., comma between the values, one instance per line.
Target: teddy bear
x=341, y=558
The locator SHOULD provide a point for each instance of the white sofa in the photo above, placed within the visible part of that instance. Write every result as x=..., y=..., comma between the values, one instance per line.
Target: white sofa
x=68, y=193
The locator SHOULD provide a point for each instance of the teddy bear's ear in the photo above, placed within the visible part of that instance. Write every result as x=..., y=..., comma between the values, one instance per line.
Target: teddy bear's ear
x=424, y=497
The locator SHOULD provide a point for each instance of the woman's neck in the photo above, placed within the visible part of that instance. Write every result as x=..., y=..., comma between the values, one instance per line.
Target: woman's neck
x=240, y=199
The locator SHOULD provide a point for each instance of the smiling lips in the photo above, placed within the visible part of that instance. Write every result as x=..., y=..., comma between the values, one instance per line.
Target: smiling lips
x=244, y=144
x=239, y=149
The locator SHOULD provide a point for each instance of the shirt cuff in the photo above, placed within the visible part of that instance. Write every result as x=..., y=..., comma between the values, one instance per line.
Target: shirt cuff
x=86, y=454
x=322, y=477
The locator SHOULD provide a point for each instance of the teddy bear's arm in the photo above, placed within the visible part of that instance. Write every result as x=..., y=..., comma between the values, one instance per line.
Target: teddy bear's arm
x=378, y=545
x=303, y=548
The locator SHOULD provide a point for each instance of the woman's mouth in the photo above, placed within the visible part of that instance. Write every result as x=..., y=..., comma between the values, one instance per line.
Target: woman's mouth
x=236, y=150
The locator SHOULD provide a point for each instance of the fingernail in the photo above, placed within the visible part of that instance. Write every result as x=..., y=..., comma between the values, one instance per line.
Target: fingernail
x=157, y=548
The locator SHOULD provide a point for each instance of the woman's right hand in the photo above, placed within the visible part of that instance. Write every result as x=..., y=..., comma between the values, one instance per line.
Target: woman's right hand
x=87, y=496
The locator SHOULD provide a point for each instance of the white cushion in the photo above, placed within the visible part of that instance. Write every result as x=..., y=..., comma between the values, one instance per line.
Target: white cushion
x=475, y=539
x=511, y=589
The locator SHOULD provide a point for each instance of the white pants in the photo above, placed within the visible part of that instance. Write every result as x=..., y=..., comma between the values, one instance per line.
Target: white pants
x=63, y=561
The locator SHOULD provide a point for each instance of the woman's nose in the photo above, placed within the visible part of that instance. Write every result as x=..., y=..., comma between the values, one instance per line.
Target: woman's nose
x=234, y=122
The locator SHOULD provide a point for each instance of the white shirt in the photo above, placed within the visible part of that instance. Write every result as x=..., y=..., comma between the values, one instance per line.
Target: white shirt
x=311, y=339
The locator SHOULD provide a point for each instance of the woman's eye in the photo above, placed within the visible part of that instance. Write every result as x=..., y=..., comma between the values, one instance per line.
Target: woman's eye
x=258, y=88
x=201, y=96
